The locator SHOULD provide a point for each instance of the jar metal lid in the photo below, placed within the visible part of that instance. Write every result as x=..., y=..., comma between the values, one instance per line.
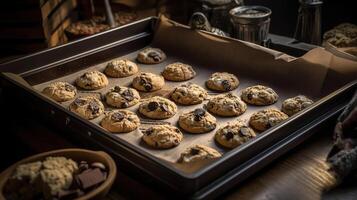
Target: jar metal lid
x=249, y=14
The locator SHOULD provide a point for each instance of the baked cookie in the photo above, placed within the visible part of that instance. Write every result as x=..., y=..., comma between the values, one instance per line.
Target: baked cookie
x=151, y=56
x=266, y=119
x=198, y=152
x=259, y=95
x=158, y=108
x=162, y=136
x=148, y=82
x=197, y=121
x=120, y=121
x=234, y=134
x=92, y=80
x=296, y=104
x=178, y=72
x=189, y=94
x=222, y=81
x=121, y=68
x=60, y=91
x=122, y=97
x=87, y=107
x=226, y=105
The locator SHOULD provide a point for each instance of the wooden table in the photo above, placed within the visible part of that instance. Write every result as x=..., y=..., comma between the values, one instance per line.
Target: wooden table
x=300, y=174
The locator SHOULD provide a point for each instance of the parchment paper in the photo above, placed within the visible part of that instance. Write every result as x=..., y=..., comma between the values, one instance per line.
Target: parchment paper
x=314, y=74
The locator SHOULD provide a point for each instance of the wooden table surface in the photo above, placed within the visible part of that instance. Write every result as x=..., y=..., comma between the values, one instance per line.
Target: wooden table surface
x=300, y=174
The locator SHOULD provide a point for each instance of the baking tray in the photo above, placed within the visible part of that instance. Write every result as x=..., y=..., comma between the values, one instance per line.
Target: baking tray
x=31, y=73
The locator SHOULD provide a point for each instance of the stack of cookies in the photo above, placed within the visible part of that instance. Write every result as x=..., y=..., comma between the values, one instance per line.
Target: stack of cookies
x=204, y=105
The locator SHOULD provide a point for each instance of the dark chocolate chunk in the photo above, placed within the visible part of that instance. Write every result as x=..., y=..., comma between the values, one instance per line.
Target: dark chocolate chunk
x=90, y=178
x=194, y=151
x=128, y=95
x=69, y=194
x=149, y=132
x=177, y=130
x=148, y=87
x=143, y=81
x=117, y=116
x=153, y=106
x=198, y=114
x=249, y=96
x=93, y=107
x=82, y=166
x=229, y=135
x=117, y=89
x=69, y=88
x=79, y=102
x=226, y=85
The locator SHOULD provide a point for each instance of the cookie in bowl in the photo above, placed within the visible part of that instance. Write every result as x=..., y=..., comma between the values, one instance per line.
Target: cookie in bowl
x=122, y=97
x=198, y=153
x=259, y=95
x=162, y=136
x=92, y=80
x=121, y=68
x=158, y=108
x=265, y=119
x=88, y=107
x=60, y=91
x=151, y=56
x=222, y=82
x=188, y=94
x=178, y=72
x=226, y=105
x=296, y=104
x=120, y=121
x=234, y=134
x=148, y=82
x=197, y=121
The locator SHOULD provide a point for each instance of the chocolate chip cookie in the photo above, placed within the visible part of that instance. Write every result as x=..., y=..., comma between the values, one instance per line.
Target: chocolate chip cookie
x=158, y=108
x=120, y=121
x=60, y=91
x=151, y=56
x=148, y=82
x=259, y=95
x=226, y=105
x=266, y=119
x=87, y=107
x=296, y=104
x=222, y=81
x=189, y=94
x=92, y=80
x=122, y=97
x=178, y=72
x=197, y=121
x=234, y=134
x=121, y=68
x=198, y=152
x=162, y=136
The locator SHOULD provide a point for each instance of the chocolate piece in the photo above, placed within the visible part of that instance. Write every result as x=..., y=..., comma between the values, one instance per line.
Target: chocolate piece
x=149, y=132
x=154, y=55
x=93, y=107
x=229, y=135
x=148, y=86
x=117, y=116
x=69, y=194
x=79, y=102
x=226, y=85
x=99, y=165
x=69, y=88
x=82, y=166
x=194, y=151
x=143, y=81
x=90, y=178
x=125, y=105
x=249, y=96
x=128, y=95
x=117, y=89
x=199, y=113
x=153, y=106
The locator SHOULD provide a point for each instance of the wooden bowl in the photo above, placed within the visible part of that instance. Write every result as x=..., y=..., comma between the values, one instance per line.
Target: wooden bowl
x=76, y=155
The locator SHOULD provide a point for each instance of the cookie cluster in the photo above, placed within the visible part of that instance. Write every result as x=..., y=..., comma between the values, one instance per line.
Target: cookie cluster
x=218, y=95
